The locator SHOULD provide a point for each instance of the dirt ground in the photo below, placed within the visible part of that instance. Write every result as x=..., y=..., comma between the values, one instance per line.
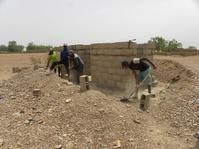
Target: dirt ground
x=8, y=61
x=63, y=117
x=190, y=62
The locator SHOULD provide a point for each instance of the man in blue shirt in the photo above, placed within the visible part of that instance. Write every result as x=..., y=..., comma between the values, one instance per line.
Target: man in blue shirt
x=63, y=60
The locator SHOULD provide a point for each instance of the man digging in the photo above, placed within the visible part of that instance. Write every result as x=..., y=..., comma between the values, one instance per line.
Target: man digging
x=144, y=77
x=78, y=65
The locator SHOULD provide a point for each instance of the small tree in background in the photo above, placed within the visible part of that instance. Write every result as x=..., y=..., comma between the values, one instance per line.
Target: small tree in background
x=160, y=43
x=165, y=45
x=3, y=48
x=172, y=45
x=13, y=47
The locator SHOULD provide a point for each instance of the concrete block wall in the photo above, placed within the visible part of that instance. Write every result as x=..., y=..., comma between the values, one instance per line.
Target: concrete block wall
x=106, y=58
x=103, y=62
x=185, y=52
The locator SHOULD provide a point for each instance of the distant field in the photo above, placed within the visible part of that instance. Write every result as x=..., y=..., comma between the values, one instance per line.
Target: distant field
x=7, y=61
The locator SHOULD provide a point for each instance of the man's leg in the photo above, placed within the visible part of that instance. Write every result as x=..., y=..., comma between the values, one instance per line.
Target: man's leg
x=149, y=89
x=55, y=70
x=54, y=64
x=136, y=84
x=59, y=71
x=79, y=73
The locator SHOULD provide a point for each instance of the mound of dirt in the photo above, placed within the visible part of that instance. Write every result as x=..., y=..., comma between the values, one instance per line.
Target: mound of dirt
x=170, y=71
x=62, y=116
x=181, y=91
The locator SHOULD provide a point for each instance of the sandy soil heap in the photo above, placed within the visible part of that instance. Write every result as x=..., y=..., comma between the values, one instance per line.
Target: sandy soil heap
x=62, y=117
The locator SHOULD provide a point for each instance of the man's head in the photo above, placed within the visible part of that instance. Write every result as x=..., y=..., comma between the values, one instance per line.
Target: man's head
x=65, y=45
x=71, y=53
x=125, y=65
x=51, y=51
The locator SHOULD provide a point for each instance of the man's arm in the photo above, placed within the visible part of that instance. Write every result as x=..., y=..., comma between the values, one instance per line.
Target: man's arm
x=76, y=63
x=145, y=59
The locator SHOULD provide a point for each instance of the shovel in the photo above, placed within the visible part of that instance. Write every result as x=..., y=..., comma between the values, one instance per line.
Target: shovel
x=126, y=98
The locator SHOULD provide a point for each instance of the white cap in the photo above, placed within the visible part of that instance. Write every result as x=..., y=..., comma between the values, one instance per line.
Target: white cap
x=136, y=60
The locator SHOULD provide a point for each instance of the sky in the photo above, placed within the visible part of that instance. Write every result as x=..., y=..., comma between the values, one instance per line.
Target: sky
x=55, y=22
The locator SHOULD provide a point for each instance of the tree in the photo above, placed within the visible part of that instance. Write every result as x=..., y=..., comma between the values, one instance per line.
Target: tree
x=3, y=48
x=160, y=43
x=165, y=45
x=31, y=46
x=37, y=48
x=12, y=46
x=173, y=44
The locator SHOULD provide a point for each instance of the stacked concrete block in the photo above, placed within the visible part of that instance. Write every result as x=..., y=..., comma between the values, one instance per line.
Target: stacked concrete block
x=144, y=101
x=84, y=83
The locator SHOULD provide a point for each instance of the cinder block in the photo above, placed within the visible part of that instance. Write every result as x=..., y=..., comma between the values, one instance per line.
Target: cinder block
x=36, y=92
x=147, y=52
x=133, y=45
x=84, y=83
x=144, y=101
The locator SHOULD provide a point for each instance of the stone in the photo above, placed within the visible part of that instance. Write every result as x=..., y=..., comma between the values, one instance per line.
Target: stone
x=155, y=83
x=130, y=140
x=137, y=121
x=69, y=145
x=27, y=122
x=196, y=135
x=68, y=100
x=17, y=114
x=13, y=97
x=101, y=110
x=1, y=141
x=58, y=146
x=117, y=144
x=66, y=82
x=36, y=92
x=195, y=101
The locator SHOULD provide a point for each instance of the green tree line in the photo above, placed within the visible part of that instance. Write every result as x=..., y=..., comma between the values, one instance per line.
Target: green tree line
x=14, y=47
x=163, y=45
x=11, y=47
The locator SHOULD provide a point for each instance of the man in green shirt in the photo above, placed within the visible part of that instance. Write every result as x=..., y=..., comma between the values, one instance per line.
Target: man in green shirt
x=52, y=58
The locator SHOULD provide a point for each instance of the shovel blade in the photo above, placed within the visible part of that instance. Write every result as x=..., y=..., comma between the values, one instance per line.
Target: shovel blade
x=125, y=99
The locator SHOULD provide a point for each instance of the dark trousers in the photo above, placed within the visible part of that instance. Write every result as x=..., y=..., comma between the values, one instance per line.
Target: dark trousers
x=54, y=64
x=79, y=73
